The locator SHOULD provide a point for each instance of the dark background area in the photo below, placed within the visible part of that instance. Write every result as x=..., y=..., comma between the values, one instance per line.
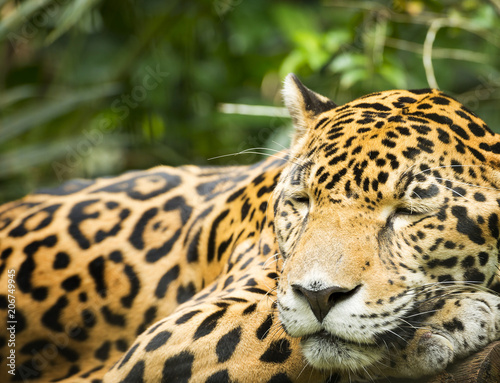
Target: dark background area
x=91, y=88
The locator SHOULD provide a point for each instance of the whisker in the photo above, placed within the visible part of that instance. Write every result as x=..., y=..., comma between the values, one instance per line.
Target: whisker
x=270, y=260
x=399, y=336
x=367, y=373
x=255, y=150
x=268, y=331
x=447, y=166
x=277, y=143
x=413, y=326
x=466, y=183
x=459, y=286
x=276, y=331
x=303, y=369
x=414, y=192
x=407, y=170
x=438, y=296
x=246, y=151
x=418, y=314
x=454, y=191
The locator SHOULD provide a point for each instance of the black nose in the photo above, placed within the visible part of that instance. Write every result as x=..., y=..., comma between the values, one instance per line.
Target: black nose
x=321, y=301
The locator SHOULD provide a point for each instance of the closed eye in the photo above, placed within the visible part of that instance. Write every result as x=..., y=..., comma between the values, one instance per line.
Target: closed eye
x=402, y=216
x=407, y=211
x=300, y=199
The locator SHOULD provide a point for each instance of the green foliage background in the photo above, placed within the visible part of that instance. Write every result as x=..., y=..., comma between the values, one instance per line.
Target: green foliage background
x=97, y=87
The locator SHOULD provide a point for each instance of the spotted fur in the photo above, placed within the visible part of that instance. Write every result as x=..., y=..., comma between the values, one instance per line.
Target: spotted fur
x=369, y=249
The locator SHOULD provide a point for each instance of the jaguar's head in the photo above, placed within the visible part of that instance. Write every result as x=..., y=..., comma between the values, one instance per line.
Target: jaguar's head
x=387, y=206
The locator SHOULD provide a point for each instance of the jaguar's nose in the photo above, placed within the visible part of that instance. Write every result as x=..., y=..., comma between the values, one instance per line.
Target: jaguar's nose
x=321, y=301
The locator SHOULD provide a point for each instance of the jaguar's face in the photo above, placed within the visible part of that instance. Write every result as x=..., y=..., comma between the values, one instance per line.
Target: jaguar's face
x=381, y=210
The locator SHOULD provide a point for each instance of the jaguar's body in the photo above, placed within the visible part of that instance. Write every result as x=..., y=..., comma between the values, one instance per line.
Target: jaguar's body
x=370, y=249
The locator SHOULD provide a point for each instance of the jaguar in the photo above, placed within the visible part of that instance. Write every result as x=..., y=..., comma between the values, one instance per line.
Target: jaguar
x=367, y=250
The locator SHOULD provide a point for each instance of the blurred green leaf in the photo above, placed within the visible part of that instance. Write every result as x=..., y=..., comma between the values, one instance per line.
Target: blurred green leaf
x=294, y=61
x=334, y=39
x=25, y=119
x=394, y=75
x=153, y=127
x=19, y=159
x=345, y=62
x=13, y=95
x=353, y=76
x=293, y=19
x=310, y=44
x=71, y=15
x=483, y=18
x=18, y=17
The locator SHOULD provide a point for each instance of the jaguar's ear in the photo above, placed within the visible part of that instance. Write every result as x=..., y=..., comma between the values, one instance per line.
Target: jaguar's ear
x=303, y=104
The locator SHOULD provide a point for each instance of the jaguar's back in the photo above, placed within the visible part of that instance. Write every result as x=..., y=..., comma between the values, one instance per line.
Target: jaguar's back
x=97, y=262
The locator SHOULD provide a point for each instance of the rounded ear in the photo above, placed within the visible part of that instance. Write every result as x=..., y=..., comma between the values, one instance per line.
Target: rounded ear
x=303, y=104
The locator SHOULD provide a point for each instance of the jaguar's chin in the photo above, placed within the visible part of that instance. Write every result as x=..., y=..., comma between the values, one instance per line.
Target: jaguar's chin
x=329, y=352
